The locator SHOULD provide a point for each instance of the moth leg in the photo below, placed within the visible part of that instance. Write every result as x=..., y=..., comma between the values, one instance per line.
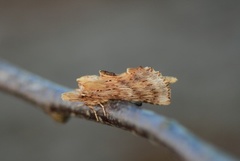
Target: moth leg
x=103, y=108
x=95, y=113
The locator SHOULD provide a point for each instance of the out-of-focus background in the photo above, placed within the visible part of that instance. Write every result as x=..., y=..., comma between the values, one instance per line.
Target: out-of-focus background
x=196, y=41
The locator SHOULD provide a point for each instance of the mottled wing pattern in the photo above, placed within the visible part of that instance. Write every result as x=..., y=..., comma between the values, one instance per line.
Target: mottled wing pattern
x=137, y=85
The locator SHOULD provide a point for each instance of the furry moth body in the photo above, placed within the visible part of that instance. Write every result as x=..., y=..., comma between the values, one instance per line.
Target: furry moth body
x=141, y=84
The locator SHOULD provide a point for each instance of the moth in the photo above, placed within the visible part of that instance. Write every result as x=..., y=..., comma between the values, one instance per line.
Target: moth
x=140, y=84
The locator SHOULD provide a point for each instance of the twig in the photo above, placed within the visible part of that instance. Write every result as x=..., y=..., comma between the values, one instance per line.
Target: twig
x=124, y=115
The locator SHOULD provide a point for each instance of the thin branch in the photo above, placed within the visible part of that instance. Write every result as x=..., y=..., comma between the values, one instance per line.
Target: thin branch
x=121, y=114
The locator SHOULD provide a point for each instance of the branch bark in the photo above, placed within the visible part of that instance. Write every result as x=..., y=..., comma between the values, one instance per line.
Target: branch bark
x=121, y=114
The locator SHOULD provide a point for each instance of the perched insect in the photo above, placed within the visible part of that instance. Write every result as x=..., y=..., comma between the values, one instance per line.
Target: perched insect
x=141, y=84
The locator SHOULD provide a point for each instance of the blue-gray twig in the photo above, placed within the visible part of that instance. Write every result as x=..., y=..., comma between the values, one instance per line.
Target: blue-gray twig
x=121, y=114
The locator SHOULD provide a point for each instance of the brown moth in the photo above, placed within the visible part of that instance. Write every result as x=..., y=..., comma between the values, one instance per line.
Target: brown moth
x=141, y=84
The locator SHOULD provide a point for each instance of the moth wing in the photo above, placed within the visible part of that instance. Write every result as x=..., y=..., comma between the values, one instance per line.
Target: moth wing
x=103, y=73
x=162, y=91
x=133, y=70
x=150, y=86
x=170, y=79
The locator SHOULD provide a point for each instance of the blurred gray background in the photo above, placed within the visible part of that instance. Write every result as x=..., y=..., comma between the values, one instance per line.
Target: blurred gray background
x=196, y=41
